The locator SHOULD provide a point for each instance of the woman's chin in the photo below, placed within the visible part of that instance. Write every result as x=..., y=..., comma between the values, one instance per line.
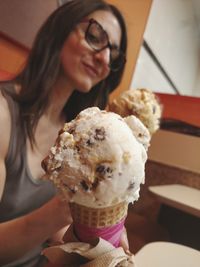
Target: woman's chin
x=84, y=88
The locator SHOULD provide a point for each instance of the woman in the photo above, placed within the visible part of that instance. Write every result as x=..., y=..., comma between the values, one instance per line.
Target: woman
x=77, y=59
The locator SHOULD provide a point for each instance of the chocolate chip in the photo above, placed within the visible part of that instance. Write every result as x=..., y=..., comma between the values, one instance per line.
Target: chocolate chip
x=101, y=169
x=131, y=186
x=58, y=168
x=77, y=148
x=89, y=142
x=72, y=129
x=84, y=185
x=100, y=134
x=73, y=190
x=109, y=170
x=95, y=184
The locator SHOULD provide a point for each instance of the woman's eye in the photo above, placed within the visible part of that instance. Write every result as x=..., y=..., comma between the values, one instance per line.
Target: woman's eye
x=93, y=38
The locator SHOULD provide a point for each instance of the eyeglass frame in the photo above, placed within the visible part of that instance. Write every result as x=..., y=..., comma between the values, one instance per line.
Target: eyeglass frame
x=121, y=53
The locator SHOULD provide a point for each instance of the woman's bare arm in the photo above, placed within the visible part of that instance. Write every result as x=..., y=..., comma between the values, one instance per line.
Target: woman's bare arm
x=5, y=122
x=20, y=235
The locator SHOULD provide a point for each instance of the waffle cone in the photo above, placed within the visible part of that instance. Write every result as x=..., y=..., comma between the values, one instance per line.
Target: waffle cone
x=98, y=217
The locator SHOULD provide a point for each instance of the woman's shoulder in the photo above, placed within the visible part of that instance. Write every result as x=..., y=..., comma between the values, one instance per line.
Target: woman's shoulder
x=4, y=109
x=5, y=122
x=7, y=90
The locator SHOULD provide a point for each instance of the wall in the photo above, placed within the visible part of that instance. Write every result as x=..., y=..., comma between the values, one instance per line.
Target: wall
x=136, y=13
x=12, y=55
x=175, y=149
x=21, y=19
x=172, y=34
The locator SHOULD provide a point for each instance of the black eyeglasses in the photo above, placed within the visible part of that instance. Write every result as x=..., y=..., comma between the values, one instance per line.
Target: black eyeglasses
x=98, y=40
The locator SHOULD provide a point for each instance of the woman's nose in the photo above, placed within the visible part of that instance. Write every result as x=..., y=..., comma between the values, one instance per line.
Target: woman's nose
x=103, y=56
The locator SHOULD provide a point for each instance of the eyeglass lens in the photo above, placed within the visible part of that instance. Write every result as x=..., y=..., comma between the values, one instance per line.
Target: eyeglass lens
x=97, y=38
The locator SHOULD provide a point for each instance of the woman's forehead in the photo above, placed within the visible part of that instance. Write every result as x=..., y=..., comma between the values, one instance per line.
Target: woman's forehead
x=109, y=23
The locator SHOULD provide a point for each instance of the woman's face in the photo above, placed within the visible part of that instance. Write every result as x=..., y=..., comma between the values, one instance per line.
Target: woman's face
x=82, y=65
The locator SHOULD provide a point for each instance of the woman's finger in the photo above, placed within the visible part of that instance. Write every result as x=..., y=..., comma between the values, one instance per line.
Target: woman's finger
x=124, y=241
x=69, y=235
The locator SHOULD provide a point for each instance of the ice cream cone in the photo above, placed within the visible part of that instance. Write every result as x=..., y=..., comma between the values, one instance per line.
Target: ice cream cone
x=107, y=222
x=98, y=217
x=99, y=159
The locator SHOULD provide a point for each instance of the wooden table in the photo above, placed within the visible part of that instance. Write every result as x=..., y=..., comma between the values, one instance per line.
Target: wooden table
x=167, y=254
x=178, y=196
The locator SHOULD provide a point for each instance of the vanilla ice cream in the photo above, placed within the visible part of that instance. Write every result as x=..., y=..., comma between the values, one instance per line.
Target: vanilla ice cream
x=99, y=157
x=142, y=103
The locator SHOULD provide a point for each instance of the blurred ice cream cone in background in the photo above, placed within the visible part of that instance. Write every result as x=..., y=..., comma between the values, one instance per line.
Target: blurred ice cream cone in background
x=99, y=160
x=142, y=103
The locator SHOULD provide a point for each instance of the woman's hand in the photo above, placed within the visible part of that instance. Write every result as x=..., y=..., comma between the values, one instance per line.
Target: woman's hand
x=69, y=236
x=58, y=237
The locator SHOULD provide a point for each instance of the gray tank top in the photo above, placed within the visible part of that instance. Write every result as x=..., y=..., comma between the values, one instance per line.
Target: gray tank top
x=22, y=194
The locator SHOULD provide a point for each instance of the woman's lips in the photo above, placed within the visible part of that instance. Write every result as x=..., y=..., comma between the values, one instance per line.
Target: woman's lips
x=91, y=70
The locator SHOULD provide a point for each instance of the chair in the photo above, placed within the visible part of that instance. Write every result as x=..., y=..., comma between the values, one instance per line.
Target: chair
x=167, y=254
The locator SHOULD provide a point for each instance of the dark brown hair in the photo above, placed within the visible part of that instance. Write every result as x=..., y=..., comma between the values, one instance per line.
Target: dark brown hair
x=43, y=65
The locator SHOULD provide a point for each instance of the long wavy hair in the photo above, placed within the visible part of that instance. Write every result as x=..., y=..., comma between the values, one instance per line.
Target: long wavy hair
x=43, y=66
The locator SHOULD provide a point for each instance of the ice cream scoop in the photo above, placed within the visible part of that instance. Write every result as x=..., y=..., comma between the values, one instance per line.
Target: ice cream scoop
x=142, y=103
x=100, y=158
